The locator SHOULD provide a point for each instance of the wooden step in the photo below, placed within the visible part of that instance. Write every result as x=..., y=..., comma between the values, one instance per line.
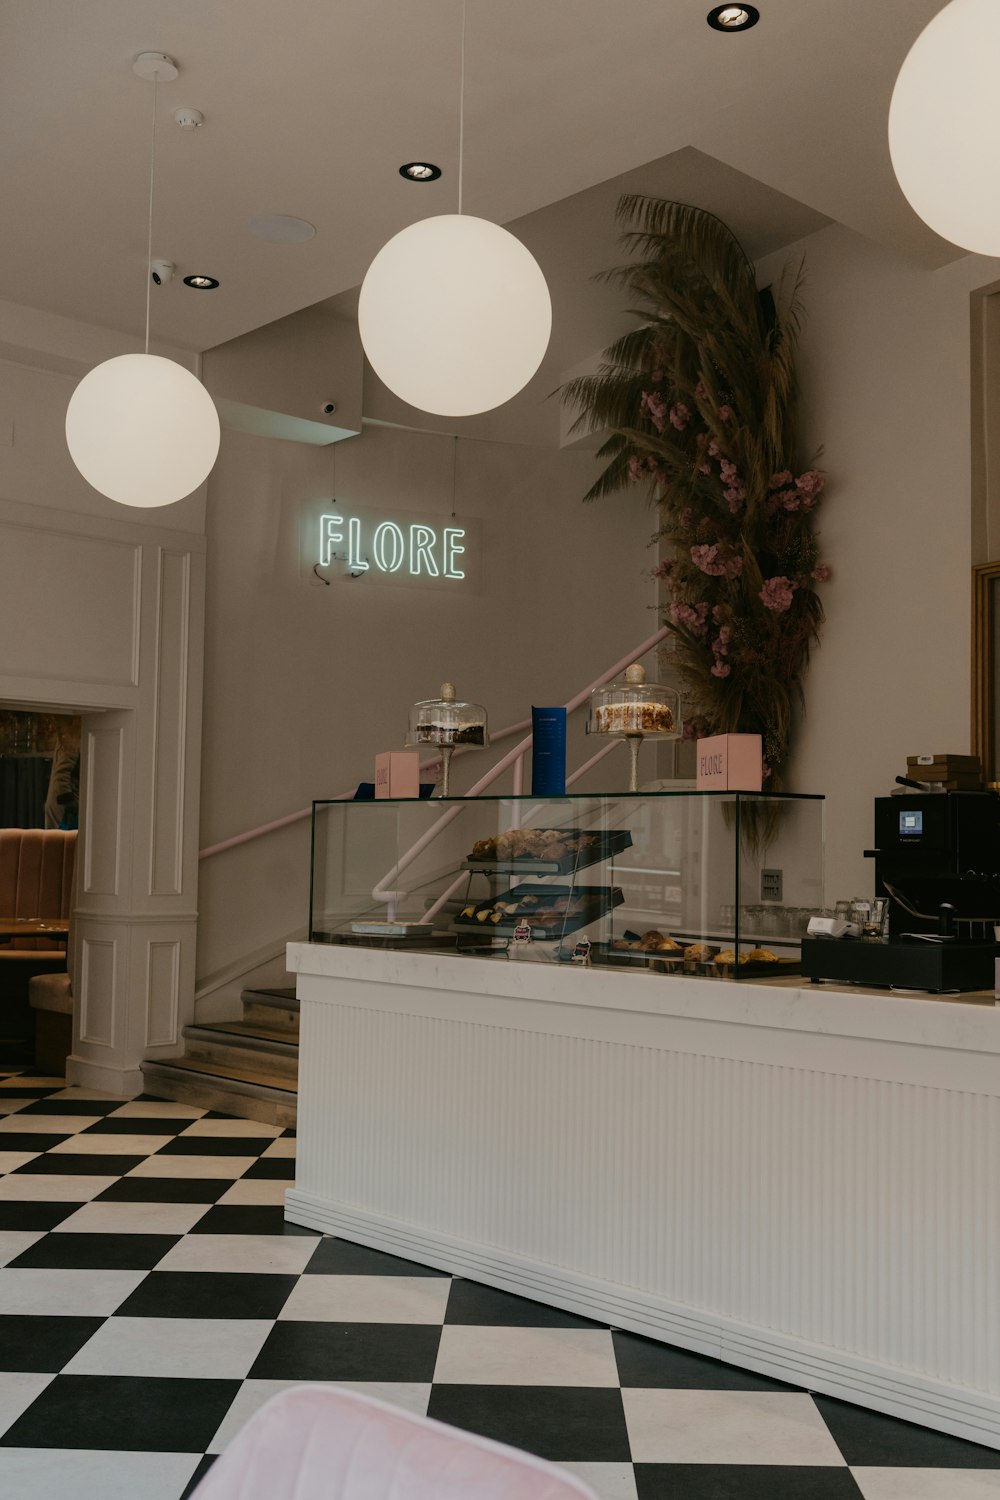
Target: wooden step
x=277, y=1009
x=243, y=1052
x=233, y=1091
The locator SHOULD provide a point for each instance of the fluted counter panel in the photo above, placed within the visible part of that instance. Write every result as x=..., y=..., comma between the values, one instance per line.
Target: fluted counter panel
x=802, y=1182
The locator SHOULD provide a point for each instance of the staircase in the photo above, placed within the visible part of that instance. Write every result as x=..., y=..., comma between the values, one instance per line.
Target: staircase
x=248, y=1067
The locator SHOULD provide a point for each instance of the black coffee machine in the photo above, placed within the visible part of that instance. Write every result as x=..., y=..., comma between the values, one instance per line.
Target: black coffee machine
x=937, y=859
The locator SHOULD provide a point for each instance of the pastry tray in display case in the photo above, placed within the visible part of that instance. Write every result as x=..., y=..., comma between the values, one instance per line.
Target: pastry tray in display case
x=547, y=851
x=549, y=910
x=676, y=961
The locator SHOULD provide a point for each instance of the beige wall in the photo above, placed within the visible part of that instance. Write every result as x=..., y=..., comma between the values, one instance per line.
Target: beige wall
x=886, y=392
x=304, y=683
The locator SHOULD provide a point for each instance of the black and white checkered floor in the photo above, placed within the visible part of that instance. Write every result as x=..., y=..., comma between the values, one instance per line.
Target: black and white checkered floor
x=153, y=1297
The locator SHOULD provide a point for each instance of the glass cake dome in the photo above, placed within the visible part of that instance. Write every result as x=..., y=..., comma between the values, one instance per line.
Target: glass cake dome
x=633, y=709
x=447, y=723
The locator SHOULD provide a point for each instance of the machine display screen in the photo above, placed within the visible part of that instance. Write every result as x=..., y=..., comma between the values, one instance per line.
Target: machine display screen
x=911, y=823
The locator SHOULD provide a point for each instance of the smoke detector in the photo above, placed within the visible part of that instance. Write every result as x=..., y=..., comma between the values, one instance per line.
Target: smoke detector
x=189, y=119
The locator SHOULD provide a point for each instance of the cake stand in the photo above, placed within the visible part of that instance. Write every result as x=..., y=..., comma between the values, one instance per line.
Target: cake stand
x=634, y=710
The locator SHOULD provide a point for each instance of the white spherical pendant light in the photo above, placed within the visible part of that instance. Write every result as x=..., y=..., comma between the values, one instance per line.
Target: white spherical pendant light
x=455, y=315
x=944, y=125
x=142, y=430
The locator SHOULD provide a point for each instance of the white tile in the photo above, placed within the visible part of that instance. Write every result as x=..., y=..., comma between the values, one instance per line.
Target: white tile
x=134, y=1218
x=99, y=1144
x=192, y=1166
x=252, y=1128
x=726, y=1427
x=608, y=1481
x=928, y=1484
x=254, y=1393
x=286, y=1253
x=11, y=1160
x=42, y=1188
x=17, y=1391
x=261, y=1191
x=368, y=1299
x=31, y=1081
x=95, y=1474
x=46, y=1124
x=93, y=1294
x=285, y=1147
x=198, y=1348
x=13, y=1242
x=521, y=1356
x=11, y=1106
x=157, y=1109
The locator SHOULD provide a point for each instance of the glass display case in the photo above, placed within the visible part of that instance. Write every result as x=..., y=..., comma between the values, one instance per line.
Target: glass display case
x=720, y=884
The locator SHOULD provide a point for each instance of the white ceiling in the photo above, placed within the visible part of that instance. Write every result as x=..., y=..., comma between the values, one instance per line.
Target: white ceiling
x=312, y=105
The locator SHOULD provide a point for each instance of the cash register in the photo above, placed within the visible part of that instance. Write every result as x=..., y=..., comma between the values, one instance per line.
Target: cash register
x=937, y=860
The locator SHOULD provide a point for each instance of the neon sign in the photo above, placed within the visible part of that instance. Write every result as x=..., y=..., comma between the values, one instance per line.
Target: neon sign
x=417, y=550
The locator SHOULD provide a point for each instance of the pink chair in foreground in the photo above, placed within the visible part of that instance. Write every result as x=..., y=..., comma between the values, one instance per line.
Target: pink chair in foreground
x=318, y=1442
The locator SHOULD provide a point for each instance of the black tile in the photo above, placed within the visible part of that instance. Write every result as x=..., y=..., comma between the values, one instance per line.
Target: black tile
x=45, y=1106
x=471, y=1302
x=141, y=1125
x=251, y=1218
x=42, y=1344
x=274, y=1167
x=334, y=1257
x=24, y=1142
x=216, y=1145
x=870, y=1438
x=97, y=1252
x=647, y=1363
x=165, y=1190
x=208, y=1294
x=75, y=1164
x=743, y=1482
x=579, y=1424
x=198, y=1475
x=124, y=1412
x=348, y=1351
x=14, y=1215
x=20, y=1090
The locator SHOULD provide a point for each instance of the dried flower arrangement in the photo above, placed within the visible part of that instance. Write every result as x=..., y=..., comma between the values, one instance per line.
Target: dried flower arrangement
x=700, y=403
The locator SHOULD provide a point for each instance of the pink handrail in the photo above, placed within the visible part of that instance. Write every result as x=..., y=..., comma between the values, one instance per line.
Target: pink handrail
x=501, y=734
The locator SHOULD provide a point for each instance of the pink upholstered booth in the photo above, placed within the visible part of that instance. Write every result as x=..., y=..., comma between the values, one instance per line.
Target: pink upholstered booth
x=317, y=1442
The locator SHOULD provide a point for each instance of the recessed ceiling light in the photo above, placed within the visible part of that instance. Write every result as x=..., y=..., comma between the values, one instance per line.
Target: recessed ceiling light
x=420, y=171
x=201, y=283
x=281, y=229
x=733, y=17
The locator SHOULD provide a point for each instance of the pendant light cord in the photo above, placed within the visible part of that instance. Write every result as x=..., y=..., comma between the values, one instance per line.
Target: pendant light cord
x=149, y=233
x=461, y=113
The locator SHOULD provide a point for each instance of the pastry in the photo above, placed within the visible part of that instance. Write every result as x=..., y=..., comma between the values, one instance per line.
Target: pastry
x=468, y=911
x=633, y=718
x=763, y=956
x=667, y=945
x=651, y=939
x=728, y=957
x=699, y=953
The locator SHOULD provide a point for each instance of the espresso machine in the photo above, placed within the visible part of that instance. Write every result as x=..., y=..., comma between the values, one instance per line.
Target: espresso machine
x=937, y=860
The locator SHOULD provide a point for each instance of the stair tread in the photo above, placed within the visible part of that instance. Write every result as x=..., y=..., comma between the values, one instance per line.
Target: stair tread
x=245, y=1030
x=278, y=997
x=186, y=1064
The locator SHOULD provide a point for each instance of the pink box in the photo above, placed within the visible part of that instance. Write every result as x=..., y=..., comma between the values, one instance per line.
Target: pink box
x=729, y=763
x=397, y=773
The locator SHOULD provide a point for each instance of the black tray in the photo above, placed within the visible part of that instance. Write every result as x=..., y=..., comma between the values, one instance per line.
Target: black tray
x=606, y=844
x=597, y=900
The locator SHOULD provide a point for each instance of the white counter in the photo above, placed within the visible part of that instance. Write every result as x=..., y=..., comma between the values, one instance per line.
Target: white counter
x=801, y=1180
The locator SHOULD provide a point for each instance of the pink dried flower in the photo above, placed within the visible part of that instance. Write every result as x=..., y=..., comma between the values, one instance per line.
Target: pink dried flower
x=659, y=375
x=735, y=497
x=791, y=500
x=635, y=468
x=662, y=570
x=685, y=518
x=780, y=480
x=725, y=413
x=721, y=669
x=776, y=595
x=713, y=449
x=706, y=558
x=680, y=416
x=655, y=405
x=811, y=482
x=822, y=572
x=704, y=467
x=718, y=613
x=693, y=616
